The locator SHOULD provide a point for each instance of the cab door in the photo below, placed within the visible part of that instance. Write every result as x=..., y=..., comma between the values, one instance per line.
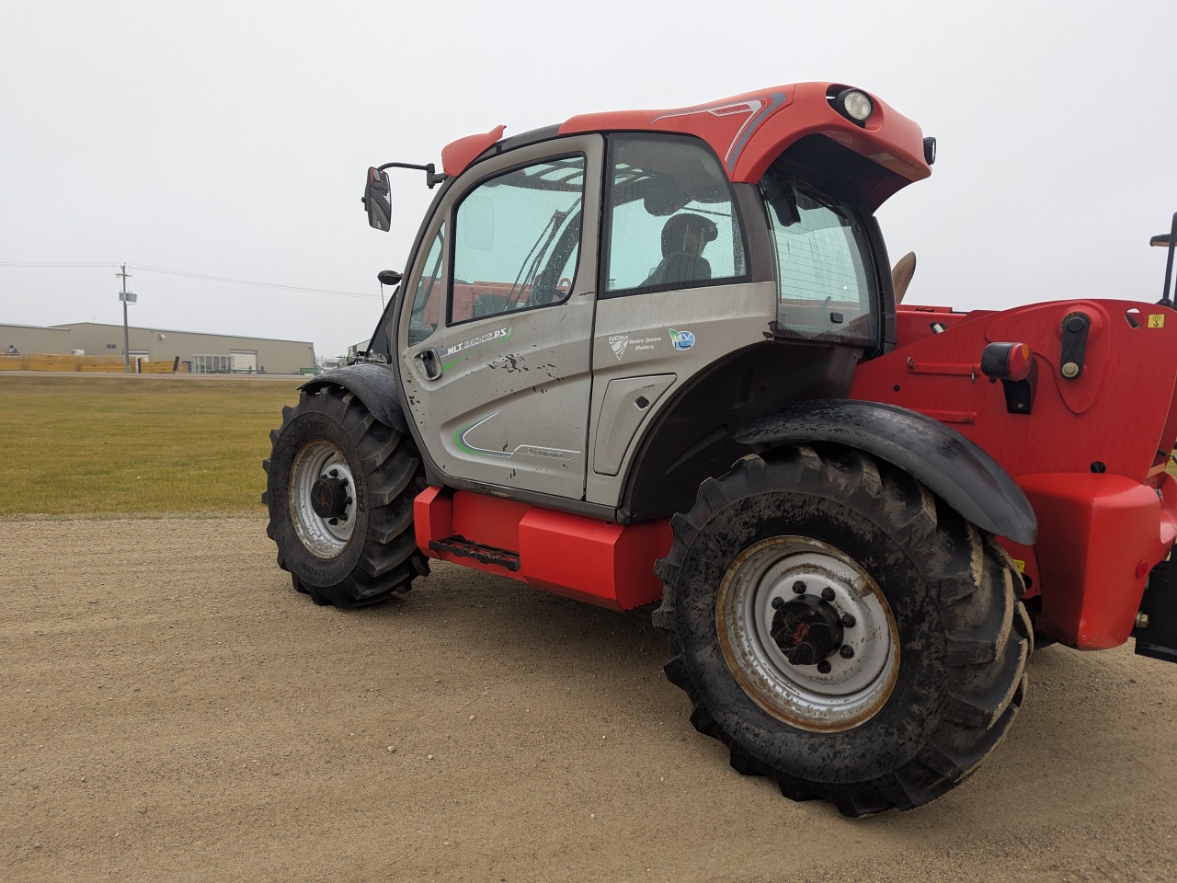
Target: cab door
x=496, y=347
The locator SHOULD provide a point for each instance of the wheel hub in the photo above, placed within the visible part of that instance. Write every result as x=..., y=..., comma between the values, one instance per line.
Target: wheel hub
x=329, y=497
x=808, y=630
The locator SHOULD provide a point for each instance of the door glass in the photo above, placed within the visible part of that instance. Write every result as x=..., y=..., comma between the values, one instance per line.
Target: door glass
x=427, y=301
x=672, y=222
x=518, y=240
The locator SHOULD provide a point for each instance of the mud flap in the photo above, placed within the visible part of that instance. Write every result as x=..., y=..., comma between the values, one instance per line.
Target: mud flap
x=1158, y=638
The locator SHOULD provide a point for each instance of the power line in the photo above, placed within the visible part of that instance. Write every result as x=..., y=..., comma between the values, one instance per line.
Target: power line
x=190, y=275
x=54, y=264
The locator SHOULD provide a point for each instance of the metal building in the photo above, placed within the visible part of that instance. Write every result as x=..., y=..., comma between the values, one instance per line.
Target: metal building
x=198, y=353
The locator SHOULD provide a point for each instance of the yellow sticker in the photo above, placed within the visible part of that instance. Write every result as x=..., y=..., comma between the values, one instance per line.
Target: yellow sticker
x=1156, y=320
x=1021, y=565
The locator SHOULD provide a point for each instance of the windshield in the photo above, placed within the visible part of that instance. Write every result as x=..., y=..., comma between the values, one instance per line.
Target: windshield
x=824, y=291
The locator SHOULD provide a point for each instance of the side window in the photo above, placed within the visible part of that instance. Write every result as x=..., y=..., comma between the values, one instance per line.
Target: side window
x=672, y=221
x=427, y=301
x=518, y=240
x=824, y=288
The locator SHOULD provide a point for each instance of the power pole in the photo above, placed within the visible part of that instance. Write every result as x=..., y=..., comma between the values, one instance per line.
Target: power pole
x=126, y=297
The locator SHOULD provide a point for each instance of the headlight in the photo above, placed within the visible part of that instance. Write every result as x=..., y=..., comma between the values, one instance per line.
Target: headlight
x=854, y=105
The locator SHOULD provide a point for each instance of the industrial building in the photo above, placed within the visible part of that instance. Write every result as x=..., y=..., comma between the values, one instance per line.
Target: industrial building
x=197, y=353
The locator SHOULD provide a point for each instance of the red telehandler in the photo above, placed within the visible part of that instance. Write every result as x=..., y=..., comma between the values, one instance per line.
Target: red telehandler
x=661, y=356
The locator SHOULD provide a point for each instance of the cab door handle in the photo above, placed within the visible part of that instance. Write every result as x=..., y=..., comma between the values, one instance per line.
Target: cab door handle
x=430, y=363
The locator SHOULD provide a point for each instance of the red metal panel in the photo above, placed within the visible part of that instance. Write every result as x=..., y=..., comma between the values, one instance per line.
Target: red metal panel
x=433, y=517
x=488, y=520
x=1095, y=533
x=596, y=561
x=1105, y=416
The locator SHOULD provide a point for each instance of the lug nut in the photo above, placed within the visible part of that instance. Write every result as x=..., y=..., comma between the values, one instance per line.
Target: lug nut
x=348, y=501
x=846, y=652
x=334, y=473
x=827, y=594
x=848, y=621
x=799, y=587
x=333, y=521
x=343, y=482
x=824, y=667
x=778, y=603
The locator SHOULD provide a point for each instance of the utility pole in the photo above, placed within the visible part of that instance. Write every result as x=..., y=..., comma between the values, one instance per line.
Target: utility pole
x=126, y=297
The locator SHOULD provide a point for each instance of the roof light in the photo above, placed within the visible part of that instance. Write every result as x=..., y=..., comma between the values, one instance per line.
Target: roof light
x=854, y=105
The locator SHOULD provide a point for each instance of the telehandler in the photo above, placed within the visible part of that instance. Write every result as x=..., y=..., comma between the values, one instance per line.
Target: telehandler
x=660, y=356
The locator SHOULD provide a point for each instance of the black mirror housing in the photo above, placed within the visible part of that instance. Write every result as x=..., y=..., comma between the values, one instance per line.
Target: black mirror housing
x=378, y=199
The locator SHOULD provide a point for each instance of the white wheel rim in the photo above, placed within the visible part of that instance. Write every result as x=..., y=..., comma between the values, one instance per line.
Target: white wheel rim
x=854, y=689
x=320, y=459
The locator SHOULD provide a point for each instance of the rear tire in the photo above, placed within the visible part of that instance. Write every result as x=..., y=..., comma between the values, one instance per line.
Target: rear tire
x=340, y=495
x=764, y=570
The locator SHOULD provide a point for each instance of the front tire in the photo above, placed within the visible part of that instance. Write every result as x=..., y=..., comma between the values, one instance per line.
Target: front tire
x=340, y=492
x=842, y=630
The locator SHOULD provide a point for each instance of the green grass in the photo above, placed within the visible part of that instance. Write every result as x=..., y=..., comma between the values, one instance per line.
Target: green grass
x=102, y=445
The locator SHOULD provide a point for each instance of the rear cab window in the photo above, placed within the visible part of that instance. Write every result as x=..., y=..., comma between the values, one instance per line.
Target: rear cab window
x=825, y=290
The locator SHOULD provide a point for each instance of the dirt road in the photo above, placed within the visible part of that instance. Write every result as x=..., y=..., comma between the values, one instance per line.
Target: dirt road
x=171, y=710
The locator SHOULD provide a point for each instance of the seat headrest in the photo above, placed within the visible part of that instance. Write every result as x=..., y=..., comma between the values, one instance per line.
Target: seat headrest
x=678, y=232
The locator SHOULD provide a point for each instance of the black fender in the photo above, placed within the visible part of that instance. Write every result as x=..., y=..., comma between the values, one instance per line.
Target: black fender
x=374, y=384
x=951, y=466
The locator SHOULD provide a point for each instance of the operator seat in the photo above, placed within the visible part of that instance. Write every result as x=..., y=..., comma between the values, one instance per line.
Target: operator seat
x=683, y=239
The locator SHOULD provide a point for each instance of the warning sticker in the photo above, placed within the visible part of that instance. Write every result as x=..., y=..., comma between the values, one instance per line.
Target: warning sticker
x=1156, y=320
x=1021, y=565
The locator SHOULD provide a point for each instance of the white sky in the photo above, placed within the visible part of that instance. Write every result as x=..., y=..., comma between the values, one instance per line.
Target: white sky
x=231, y=138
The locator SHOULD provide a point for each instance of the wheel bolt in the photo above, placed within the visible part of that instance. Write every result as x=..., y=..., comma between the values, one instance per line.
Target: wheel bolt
x=848, y=621
x=799, y=587
x=334, y=473
x=778, y=603
x=348, y=501
x=333, y=521
x=847, y=652
x=827, y=594
x=343, y=482
x=823, y=667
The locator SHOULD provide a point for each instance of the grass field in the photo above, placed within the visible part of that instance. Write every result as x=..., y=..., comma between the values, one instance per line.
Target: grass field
x=95, y=445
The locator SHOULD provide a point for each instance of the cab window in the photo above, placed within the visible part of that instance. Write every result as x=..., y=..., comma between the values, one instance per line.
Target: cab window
x=672, y=222
x=517, y=240
x=824, y=290
x=426, y=302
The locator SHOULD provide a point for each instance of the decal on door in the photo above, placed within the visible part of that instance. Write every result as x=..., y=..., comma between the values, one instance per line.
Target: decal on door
x=462, y=438
x=451, y=355
x=681, y=340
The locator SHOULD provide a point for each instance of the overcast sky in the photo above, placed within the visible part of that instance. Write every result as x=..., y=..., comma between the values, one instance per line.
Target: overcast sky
x=231, y=139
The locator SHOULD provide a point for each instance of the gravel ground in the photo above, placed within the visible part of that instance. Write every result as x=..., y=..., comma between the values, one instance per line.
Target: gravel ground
x=171, y=710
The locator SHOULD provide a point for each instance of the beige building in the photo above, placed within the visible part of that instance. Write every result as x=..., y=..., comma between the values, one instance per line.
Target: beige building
x=199, y=353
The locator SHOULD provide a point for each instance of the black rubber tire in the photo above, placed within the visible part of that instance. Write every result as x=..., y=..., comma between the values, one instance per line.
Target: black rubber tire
x=381, y=555
x=963, y=634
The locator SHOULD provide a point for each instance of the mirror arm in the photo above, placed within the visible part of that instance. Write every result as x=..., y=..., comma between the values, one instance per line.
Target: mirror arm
x=1165, y=300
x=432, y=178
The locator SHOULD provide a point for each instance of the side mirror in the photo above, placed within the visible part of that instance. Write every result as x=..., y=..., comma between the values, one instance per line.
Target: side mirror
x=378, y=199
